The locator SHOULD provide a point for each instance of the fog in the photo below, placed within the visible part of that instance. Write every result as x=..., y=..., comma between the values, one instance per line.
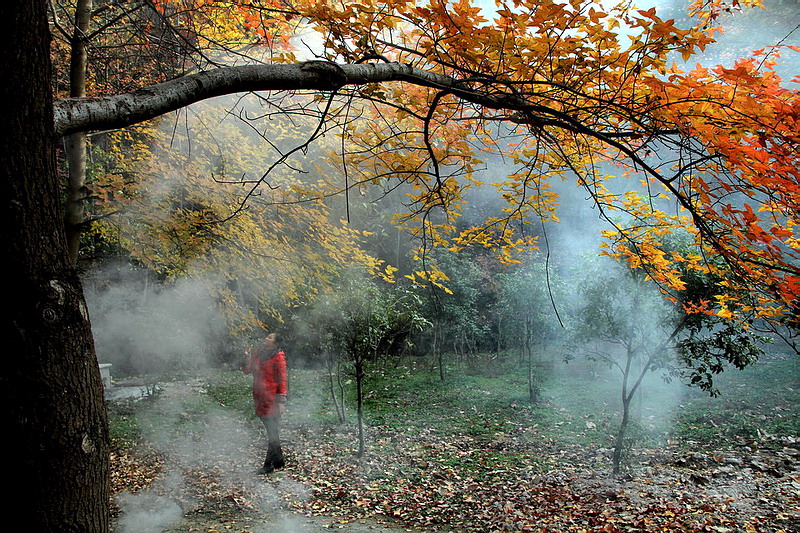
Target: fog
x=141, y=326
x=148, y=326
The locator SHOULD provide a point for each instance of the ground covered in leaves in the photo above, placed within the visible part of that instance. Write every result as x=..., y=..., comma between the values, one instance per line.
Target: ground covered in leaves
x=422, y=483
x=193, y=470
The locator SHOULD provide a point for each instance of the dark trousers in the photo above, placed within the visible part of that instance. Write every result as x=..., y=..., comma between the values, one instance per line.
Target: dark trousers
x=274, y=458
x=273, y=426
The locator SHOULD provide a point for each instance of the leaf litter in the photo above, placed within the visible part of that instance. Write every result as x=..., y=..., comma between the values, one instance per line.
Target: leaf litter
x=420, y=480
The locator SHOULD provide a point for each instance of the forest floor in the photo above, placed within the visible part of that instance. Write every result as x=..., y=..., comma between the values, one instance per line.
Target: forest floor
x=201, y=477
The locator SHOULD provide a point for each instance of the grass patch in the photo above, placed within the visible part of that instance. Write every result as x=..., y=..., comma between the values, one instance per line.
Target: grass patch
x=413, y=396
x=756, y=402
x=123, y=424
x=579, y=406
x=231, y=390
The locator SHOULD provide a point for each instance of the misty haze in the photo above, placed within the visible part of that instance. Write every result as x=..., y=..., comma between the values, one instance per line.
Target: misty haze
x=552, y=387
x=435, y=265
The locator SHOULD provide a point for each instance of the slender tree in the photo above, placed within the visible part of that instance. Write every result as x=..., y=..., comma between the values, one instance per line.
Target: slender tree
x=75, y=144
x=622, y=322
x=365, y=322
x=529, y=296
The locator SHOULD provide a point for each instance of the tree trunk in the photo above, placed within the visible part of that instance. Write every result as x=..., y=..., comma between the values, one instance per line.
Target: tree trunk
x=342, y=390
x=619, y=441
x=437, y=334
x=628, y=394
x=329, y=362
x=76, y=144
x=359, y=367
x=533, y=389
x=54, y=414
x=499, y=345
x=76, y=193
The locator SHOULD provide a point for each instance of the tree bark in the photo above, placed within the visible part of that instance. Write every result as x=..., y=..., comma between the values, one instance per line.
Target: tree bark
x=76, y=143
x=619, y=441
x=359, y=373
x=98, y=113
x=54, y=416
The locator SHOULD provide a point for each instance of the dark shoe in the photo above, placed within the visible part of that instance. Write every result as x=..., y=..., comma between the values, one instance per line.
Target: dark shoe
x=269, y=461
x=266, y=469
x=278, y=460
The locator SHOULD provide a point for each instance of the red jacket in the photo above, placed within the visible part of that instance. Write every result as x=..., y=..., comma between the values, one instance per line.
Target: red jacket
x=269, y=380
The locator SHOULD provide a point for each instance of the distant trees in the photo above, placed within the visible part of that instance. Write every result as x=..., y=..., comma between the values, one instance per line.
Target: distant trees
x=90, y=59
x=180, y=213
x=530, y=295
x=362, y=321
x=461, y=308
x=102, y=47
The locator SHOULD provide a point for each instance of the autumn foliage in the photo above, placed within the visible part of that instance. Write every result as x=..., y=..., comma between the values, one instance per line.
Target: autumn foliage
x=561, y=89
x=615, y=98
x=574, y=88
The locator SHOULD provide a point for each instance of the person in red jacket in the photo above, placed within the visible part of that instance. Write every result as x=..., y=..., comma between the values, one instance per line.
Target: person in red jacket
x=267, y=364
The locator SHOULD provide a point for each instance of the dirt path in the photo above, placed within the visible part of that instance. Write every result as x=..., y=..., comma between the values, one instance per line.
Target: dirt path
x=205, y=479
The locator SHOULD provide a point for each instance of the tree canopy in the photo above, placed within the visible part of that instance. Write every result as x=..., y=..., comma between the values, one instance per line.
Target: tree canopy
x=560, y=88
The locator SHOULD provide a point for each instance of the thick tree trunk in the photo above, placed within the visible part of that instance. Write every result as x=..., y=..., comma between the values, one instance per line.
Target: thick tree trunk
x=54, y=416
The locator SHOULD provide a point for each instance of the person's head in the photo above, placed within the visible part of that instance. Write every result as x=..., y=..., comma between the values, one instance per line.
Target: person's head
x=272, y=340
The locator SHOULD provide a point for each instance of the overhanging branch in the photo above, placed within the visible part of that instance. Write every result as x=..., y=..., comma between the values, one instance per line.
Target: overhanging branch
x=87, y=114
x=100, y=113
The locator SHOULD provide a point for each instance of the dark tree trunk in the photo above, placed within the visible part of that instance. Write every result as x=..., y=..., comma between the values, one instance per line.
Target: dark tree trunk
x=533, y=389
x=54, y=418
x=619, y=440
x=359, y=371
x=437, y=348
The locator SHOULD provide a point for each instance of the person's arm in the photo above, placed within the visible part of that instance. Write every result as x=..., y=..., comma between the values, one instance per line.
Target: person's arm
x=280, y=379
